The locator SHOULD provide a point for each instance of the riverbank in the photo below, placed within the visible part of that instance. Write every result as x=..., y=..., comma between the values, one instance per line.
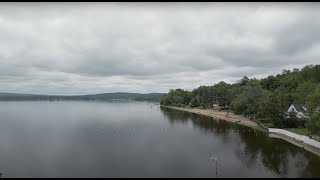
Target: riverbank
x=222, y=116
x=296, y=142
x=246, y=122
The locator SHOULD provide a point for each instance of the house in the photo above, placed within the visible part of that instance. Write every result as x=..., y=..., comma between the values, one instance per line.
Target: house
x=215, y=104
x=219, y=106
x=299, y=109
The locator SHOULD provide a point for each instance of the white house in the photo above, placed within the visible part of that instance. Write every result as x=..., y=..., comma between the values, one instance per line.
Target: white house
x=299, y=109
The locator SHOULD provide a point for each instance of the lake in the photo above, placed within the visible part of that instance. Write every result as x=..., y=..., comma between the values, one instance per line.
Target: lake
x=134, y=139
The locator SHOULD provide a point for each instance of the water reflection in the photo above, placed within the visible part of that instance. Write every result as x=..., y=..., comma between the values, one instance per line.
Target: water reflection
x=254, y=147
x=101, y=139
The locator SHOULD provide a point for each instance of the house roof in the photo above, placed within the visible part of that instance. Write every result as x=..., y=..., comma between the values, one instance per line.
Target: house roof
x=299, y=107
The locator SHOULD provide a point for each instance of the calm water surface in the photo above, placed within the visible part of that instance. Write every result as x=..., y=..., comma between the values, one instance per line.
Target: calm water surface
x=103, y=139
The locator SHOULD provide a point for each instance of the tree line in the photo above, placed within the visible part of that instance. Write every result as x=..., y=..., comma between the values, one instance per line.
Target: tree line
x=266, y=99
x=154, y=97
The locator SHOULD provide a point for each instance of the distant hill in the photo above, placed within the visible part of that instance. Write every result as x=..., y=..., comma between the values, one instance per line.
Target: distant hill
x=14, y=94
x=104, y=96
x=7, y=94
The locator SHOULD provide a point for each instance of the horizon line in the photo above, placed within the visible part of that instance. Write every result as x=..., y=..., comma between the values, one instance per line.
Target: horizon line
x=77, y=95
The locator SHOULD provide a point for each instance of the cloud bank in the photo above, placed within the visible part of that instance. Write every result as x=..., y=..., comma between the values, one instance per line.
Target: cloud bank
x=86, y=48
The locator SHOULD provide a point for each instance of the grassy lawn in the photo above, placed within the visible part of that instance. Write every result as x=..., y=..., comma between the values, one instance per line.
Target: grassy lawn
x=300, y=131
x=303, y=131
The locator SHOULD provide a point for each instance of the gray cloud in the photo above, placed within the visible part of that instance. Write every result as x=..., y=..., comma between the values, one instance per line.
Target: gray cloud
x=80, y=48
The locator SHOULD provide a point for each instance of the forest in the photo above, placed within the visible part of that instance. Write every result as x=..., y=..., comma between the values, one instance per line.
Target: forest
x=266, y=99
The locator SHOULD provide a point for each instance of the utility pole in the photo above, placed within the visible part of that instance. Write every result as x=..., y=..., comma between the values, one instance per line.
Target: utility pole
x=214, y=158
x=216, y=169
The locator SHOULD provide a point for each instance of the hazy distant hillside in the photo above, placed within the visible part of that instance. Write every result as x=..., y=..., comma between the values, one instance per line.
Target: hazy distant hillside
x=6, y=94
x=123, y=95
x=14, y=94
x=104, y=96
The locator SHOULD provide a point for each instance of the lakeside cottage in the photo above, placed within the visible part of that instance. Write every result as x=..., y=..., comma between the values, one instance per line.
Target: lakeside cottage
x=299, y=109
x=219, y=106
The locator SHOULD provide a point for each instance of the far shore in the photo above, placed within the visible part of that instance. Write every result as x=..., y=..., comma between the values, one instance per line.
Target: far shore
x=221, y=115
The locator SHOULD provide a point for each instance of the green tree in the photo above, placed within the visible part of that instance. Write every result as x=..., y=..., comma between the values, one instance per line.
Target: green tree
x=243, y=81
x=274, y=107
x=248, y=102
x=292, y=121
x=302, y=91
x=270, y=83
x=313, y=106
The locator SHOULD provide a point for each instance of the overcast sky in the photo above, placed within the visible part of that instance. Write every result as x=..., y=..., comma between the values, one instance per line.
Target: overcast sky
x=87, y=48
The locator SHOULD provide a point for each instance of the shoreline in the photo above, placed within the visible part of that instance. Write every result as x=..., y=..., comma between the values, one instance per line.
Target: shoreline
x=221, y=116
x=247, y=122
x=295, y=142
